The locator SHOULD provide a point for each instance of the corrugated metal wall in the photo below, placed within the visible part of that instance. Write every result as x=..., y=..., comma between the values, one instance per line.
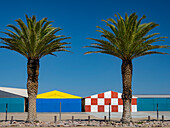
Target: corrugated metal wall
x=14, y=104
x=150, y=104
x=53, y=105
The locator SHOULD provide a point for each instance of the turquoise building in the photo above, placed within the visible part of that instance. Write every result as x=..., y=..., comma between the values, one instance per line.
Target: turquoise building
x=150, y=102
x=14, y=99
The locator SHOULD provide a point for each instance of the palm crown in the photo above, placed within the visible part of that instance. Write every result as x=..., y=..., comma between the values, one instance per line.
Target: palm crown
x=34, y=40
x=128, y=38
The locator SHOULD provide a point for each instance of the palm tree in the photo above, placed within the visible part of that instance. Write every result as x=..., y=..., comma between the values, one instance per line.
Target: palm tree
x=129, y=39
x=34, y=41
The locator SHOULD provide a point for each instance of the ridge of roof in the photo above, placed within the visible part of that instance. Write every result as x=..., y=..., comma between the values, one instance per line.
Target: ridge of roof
x=16, y=91
x=109, y=91
x=55, y=94
x=153, y=96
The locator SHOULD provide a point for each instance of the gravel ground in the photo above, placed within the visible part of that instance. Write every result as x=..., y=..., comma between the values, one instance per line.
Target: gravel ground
x=93, y=123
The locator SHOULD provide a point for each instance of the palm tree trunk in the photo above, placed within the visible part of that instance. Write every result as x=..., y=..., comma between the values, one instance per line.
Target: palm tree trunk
x=127, y=91
x=32, y=87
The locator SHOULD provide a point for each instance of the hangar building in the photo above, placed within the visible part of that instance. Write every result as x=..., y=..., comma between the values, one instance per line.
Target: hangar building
x=50, y=102
x=149, y=102
x=15, y=98
x=100, y=102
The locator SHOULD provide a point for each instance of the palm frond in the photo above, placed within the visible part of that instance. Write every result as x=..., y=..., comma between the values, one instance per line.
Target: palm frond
x=128, y=38
x=34, y=39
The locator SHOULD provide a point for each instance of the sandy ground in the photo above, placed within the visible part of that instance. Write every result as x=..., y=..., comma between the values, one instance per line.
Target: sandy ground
x=48, y=116
x=84, y=116
x=135, y=115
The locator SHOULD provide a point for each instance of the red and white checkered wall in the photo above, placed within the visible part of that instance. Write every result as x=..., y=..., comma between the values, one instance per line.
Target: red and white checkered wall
x=100, y=102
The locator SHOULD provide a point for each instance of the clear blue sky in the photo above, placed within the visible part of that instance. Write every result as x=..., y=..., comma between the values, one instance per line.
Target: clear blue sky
x=80, y=74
